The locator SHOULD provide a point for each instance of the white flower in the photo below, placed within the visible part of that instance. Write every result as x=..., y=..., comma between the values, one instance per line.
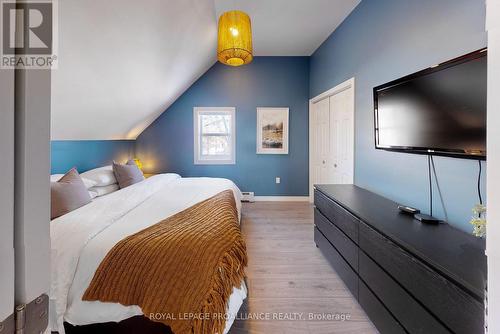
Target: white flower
x=478, y=220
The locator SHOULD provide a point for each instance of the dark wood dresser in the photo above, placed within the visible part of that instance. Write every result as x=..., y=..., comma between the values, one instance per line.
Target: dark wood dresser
x=409, y=277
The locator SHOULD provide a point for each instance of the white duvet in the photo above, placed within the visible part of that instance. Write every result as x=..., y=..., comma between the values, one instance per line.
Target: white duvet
x=81, y=239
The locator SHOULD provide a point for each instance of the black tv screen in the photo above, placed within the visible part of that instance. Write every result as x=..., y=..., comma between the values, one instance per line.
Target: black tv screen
x=440, y=110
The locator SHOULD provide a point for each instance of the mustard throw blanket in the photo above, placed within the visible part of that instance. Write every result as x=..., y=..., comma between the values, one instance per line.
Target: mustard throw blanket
x=182, y=269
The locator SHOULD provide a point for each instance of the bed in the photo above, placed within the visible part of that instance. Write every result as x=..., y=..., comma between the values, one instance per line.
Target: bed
x=82, y=238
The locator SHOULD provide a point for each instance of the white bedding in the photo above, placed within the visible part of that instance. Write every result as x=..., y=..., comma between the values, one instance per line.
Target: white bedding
x=82, y=238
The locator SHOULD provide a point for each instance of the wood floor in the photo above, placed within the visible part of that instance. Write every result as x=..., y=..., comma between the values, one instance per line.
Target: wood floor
x=288, y=275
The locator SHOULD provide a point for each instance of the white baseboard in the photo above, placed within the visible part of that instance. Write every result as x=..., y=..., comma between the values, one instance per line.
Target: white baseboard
x=281, y=198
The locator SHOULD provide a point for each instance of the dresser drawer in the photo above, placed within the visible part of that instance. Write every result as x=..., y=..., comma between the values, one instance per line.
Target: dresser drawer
x=341, y=267
x=452, y=305
x=344, y=245
x=378, y=314
x=337, y=215
x=407, y=310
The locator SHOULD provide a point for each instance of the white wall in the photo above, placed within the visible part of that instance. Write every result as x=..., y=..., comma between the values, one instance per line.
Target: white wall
x=493, y=173
x=6, y=193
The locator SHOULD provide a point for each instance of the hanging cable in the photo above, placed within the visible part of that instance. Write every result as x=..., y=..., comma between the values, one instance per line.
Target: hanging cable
x=430, y=182
x=438, y=188
x=479, y=183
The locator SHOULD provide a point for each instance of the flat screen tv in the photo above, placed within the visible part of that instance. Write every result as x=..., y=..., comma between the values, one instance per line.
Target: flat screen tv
x=440, y=110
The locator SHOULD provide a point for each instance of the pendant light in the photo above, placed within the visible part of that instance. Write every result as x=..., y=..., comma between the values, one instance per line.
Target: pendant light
x=234, y=43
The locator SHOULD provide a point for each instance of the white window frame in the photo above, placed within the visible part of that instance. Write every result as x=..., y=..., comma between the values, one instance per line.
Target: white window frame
x=199, y=159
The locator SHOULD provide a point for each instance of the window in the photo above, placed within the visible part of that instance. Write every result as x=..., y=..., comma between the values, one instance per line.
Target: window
x=214, y=136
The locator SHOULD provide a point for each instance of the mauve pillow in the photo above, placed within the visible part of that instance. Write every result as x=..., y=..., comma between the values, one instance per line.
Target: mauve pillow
x=128, y=174
x=68, y=194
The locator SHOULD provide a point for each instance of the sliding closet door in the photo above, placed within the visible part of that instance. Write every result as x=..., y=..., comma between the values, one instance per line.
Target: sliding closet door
x=331, y=136
x=321, y=144
x=342, y=136
x=7, y=197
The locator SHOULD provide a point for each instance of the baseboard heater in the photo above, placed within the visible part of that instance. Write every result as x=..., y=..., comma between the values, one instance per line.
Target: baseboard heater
x=247, y=196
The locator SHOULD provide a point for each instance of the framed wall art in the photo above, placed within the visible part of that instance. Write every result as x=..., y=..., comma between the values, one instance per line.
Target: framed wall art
x=272, y=130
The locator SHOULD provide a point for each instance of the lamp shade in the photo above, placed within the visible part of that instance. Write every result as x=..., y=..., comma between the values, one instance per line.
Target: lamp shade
x=138, y=163
x=234, y=44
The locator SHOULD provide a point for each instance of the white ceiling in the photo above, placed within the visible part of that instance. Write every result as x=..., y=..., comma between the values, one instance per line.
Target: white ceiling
x=123, y=62
x=290, y=27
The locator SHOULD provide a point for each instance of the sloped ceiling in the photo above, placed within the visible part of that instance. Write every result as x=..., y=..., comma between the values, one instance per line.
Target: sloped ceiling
x=290, y=27
x=123, y=62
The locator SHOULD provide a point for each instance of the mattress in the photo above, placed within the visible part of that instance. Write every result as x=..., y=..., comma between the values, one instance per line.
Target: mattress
x=82, y=238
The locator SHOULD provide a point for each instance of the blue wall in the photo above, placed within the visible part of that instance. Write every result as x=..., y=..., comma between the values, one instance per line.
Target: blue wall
x=380, y=41
x=383, y=40
x=167, y=145
x=88, y=154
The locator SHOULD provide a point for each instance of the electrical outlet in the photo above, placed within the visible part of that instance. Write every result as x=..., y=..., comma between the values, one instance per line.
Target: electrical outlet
x=278, y=180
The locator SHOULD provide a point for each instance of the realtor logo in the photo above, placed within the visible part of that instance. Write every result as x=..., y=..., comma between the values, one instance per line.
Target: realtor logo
x=28, y=34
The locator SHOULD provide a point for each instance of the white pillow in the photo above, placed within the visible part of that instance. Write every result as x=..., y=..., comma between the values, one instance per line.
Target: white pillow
x=102, y=176
x=92, y=194
x=88, y=183
x=101, y=191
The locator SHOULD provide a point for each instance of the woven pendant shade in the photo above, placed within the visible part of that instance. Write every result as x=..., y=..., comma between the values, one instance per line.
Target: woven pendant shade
x=234, y=45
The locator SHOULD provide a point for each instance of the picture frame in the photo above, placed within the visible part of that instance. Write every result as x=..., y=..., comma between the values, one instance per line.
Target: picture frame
x=272, y=130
